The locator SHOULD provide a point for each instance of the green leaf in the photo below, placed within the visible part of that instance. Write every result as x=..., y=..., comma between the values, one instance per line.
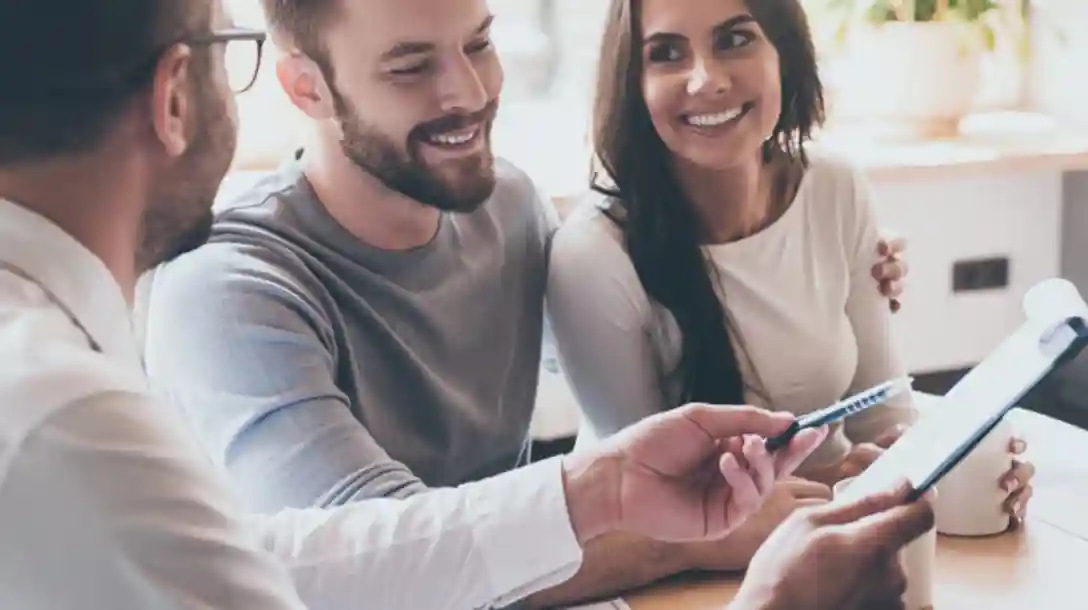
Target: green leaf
x=989, y=37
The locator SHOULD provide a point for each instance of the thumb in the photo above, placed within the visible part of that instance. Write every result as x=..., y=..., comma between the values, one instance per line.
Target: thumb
x=801, y=446
x=896, y=527
x=889, y=437
x=838, y=513
x=722, y=422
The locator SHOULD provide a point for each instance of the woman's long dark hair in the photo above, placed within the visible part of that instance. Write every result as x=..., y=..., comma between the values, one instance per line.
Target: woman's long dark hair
x=660, y=226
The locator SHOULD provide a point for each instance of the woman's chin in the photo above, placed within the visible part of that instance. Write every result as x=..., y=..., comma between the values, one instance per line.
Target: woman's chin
x=715, y=159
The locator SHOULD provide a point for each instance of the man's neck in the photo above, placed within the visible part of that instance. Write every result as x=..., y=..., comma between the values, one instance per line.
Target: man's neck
x=366, y=208
x=90, y=203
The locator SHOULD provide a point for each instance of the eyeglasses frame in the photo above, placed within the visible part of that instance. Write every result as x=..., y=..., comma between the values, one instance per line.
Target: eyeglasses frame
x=227, y=36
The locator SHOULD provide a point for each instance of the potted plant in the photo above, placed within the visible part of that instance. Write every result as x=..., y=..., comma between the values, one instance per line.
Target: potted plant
x=913, y=64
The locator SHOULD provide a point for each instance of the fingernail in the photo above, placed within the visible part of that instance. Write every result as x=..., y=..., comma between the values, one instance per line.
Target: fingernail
x=729, y=462
x=1011, y=485
x=1019, y=446
x=1016, y=509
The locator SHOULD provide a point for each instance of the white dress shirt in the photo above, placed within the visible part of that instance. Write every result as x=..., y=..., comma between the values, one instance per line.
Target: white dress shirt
x=107, y=502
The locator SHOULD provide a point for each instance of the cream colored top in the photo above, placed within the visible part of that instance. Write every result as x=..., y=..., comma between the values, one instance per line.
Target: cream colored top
x=812, y=324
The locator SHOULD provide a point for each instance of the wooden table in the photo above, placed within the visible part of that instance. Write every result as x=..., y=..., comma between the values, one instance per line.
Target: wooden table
x=1039, y=567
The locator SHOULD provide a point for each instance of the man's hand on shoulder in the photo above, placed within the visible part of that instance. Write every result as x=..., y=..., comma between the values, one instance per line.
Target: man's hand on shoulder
x=892, y=268
x=690, y=474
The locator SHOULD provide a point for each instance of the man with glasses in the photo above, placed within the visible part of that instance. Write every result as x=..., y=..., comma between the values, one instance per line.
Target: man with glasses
x=116, y=126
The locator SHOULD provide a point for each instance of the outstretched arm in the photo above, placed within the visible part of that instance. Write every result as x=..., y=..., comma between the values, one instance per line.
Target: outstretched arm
x=880, y=356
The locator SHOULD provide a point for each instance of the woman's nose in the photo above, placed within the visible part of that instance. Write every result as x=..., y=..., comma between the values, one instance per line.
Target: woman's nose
x=706, y=77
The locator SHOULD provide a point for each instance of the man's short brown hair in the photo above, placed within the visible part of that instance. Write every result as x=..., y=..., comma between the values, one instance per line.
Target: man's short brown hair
x=300, y=23
x=70, y=67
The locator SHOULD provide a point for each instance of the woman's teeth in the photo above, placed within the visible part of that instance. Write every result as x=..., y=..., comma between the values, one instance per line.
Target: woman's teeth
x=713, y=120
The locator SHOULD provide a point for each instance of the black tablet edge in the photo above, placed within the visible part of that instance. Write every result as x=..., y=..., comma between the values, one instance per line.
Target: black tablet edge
x=1080, y=329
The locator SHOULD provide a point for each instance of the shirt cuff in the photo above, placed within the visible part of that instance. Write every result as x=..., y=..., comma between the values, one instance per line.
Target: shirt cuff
x=528, y=543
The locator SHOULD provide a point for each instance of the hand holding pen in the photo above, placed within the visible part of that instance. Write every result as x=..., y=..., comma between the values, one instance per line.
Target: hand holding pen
x=854, y=404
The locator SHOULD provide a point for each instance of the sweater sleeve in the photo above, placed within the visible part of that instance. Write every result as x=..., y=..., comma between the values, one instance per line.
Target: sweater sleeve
x=239, y=343
x=599, y=313
x=880, y=356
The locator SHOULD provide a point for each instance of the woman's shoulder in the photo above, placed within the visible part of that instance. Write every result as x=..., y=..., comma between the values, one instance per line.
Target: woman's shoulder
x=840, y=201
x=588, y=253
x=832, y=176
x=837, y=193
x=593, y=226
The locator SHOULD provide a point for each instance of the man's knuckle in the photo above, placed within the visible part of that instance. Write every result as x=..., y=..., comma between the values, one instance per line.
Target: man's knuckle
x=692, y=408
x=832, y=541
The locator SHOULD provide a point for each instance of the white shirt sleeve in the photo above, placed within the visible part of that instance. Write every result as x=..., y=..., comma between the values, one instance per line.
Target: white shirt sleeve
x=482, y=545
x=118, y=509
x=108, y=505
x=879, y=353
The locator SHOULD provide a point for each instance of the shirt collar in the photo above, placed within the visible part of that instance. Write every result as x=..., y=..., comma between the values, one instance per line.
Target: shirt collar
x=77, y=279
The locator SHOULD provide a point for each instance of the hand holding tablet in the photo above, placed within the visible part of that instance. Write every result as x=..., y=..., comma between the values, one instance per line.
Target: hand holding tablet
x=1053, y=333
x=964, y=441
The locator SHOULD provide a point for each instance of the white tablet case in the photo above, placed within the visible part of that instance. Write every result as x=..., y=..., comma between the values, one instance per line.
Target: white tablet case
x=985, y=394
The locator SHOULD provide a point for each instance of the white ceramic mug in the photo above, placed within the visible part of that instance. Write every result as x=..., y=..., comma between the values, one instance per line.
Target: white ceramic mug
x=918, y=559
x=970, y=500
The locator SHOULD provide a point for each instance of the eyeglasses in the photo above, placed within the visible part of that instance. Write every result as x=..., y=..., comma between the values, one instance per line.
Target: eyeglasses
x=244, y=48
x=242, y=55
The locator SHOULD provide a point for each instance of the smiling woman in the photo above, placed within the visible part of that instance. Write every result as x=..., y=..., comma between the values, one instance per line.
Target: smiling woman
x=721, y=263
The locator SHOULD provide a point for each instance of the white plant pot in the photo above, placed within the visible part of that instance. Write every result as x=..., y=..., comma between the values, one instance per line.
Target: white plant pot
x=922, y=78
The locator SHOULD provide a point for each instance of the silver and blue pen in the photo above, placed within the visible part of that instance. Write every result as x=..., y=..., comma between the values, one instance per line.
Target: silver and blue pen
x=848, y=406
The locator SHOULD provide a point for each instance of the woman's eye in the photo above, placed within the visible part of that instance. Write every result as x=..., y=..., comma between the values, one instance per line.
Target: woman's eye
x=662, y=53
x=734, y=39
